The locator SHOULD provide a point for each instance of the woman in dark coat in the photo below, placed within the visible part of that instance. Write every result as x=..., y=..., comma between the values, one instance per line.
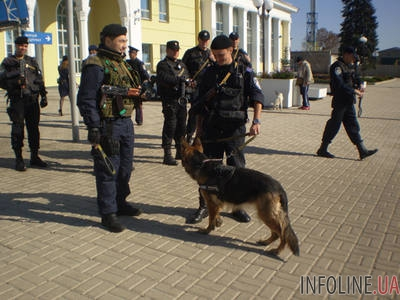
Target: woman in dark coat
x=63, y=82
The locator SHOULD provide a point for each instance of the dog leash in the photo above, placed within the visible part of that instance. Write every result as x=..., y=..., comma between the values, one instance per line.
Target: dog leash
x=240, y=148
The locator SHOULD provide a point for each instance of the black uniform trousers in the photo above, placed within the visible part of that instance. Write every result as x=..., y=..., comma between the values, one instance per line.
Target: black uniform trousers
x=174, y=128
x=346, y=114
x=215, y=150
x=25, y=109
x=112, y=190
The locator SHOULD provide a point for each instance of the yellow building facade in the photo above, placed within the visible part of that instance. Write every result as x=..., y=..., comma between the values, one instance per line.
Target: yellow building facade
x=151, y=23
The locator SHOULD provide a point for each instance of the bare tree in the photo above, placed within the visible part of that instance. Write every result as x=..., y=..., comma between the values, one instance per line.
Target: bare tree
x=328, y=40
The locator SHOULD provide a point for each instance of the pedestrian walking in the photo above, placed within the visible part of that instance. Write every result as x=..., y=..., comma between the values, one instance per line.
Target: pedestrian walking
x=105, y=100
x=21, y=76
x=344, y=87
x=63, y=82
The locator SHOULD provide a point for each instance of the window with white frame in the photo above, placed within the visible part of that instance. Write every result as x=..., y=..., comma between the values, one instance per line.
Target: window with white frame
x=10, y=36
x=146, y=56
x=163, y=6
x=163, y=51
x=219, y=20
x=145, y=8
x=62, y=34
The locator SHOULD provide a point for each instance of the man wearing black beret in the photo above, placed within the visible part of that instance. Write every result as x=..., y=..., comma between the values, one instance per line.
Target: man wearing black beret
x=21, y=76
x=239, y=55
x=345, y=86
x=226, y=91
x=108, y=119
x=197, y=59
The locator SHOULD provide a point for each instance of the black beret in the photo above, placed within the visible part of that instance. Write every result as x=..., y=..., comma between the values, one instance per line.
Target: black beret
x=21, y=40
x=92, y=47
x=131, y=49
x=234, y=36
x=65, y=57
x=349, y=50
x=204, y=35
x=113, y=30
x=299, y=59
x=221, y=42
x=174, y=45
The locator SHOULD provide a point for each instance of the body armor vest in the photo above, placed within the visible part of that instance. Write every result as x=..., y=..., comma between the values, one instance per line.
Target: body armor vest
x=117, y=72
x=229, y=106
x=23, y=76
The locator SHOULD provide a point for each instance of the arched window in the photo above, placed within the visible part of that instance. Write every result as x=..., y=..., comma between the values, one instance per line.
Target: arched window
x=62, y=33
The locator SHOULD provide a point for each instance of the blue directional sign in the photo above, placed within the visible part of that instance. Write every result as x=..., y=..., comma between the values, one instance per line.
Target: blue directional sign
x=38, y=37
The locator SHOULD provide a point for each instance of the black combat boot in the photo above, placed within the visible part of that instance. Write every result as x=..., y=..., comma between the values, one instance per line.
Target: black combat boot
x=19, y=161
x=364, y=152
x=110, y=221
x=323, y=151
x=168, y=159
x=36, y=161
x=241, y=216
x=200, y=214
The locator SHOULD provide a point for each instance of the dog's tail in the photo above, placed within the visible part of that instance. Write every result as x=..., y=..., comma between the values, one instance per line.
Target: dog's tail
x=291, y=239
x=289, y=235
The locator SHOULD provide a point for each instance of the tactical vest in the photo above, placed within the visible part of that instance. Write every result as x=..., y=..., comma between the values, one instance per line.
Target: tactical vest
x=22, y=76
x=117, y=72
x=229, y=107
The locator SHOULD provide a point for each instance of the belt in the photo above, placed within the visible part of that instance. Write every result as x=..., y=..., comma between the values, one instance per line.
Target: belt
x=116, y=118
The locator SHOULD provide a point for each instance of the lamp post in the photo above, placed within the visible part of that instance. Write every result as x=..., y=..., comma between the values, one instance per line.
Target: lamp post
x=266, y=5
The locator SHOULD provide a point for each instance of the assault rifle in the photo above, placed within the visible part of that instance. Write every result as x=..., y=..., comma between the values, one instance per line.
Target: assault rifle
x=111, y=90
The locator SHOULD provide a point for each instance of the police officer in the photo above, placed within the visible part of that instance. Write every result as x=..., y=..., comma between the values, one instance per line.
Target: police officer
x=197, y=59
x=344, y=87
x=222, y=112
x=238, y=54
x=21, y=77
x=140, y=68
x=172, y=78
x=108, y=118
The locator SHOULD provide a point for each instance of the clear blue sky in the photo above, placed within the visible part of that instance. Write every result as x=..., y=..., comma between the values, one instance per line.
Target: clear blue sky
x=330, y=17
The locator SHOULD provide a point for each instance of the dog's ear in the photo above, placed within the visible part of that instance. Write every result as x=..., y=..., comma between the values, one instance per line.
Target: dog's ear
x=197, y=144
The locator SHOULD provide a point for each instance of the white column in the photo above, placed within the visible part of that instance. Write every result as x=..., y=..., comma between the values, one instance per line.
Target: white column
x=227, y=18
x=277, y=51
x=256, y=42
x=243, y=26
x=135, y=27
x=83, y=14
x=208, y=16
x=268, y=44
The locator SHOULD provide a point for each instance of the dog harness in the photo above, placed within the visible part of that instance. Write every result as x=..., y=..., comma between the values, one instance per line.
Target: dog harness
x=218, y=175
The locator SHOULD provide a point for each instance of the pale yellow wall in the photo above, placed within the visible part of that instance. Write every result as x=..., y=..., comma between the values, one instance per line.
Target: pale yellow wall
x=2, y=48
x=101, y=14
x=181, y=27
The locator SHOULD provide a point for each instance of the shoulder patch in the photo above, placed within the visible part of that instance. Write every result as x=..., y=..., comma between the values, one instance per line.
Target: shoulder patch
x=338, y=70
x=256, y=83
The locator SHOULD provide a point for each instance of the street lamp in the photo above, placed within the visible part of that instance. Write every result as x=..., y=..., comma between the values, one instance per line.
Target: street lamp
x=266, y=5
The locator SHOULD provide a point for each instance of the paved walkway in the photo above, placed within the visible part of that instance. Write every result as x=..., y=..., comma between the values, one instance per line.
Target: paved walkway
x=345, y=212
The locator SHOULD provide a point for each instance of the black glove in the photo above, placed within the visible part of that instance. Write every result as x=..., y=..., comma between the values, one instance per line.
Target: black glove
x=94, y=135
x=43, y=102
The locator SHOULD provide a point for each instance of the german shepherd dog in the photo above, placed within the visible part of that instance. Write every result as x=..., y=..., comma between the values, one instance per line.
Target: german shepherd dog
x=220, y=184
